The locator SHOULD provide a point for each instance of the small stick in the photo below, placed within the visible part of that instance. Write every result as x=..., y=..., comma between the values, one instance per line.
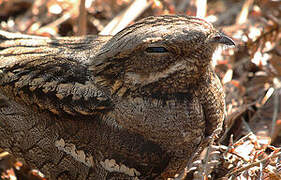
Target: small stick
x=237, y=171
x=125, y=17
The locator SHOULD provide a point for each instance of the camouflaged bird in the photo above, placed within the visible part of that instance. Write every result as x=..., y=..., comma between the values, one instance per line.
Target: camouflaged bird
x=136, y=105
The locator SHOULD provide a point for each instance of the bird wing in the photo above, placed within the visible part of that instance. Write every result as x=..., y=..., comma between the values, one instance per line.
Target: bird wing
x=51, y=73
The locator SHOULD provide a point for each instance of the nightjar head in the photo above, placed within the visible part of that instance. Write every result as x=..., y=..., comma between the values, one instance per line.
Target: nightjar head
x=158, y=47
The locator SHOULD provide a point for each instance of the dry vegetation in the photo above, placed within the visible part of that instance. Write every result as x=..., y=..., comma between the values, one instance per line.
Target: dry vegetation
x=250, y=72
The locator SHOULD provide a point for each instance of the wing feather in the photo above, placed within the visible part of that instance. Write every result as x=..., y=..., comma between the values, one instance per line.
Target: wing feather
x=52, y=73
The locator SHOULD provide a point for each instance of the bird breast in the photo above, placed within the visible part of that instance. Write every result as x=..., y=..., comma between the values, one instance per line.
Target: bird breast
x=171, y=122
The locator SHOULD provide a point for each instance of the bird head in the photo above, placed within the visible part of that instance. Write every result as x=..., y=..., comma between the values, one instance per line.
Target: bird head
x=155, y=48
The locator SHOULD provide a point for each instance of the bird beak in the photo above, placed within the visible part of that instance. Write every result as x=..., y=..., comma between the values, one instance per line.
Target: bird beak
x=223, y=39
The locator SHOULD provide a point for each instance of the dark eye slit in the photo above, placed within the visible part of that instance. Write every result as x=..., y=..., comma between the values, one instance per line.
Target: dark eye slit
x=156, y=50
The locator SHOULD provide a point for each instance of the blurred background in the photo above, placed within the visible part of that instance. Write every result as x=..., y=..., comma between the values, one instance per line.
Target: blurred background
x=250, y=72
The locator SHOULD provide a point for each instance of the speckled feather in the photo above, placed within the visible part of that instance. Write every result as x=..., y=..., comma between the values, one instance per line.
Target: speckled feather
x=173, y=99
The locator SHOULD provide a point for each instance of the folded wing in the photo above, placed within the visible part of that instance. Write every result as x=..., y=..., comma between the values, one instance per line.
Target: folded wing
x=52, y=73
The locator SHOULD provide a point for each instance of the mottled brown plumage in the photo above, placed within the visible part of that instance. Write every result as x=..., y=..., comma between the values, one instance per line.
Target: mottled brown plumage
x=137, y=104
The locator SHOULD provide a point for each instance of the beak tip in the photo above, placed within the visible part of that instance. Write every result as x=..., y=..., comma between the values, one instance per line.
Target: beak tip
x=226, y=40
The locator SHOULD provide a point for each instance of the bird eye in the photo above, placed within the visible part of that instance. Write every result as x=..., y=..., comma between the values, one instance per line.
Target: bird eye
x=217, y=38
x=156, y=50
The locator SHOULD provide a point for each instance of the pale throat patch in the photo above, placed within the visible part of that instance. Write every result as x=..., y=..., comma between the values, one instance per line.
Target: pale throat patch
x=135, y=78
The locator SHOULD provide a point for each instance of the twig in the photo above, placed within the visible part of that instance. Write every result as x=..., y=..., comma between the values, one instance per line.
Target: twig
x=275, y=113
x=82, y=19
x=207, y=156
x=232, y=118
x=125, y=17
x=243, y=138
x=247, y=126
x=261, y=170
x=242, y=17
x=201, y=12
x=237, y=171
